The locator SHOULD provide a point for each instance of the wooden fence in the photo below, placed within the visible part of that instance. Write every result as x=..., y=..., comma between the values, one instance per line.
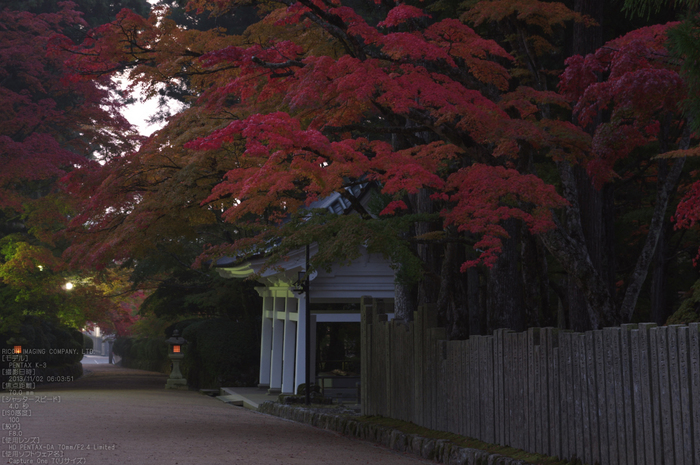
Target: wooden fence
x=627, y=395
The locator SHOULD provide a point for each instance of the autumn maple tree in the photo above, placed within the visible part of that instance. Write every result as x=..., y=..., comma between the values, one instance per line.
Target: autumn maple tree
x=479, y=168
x=50, y=125
x=321, y=102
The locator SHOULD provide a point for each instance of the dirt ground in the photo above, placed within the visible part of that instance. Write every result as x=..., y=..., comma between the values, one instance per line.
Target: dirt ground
x=120, y=416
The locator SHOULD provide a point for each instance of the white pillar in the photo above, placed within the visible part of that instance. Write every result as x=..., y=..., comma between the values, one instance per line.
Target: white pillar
x=290, y=329
x=300, y=374
x=290, y=333
x=277, y=347
x=265, y=348
x=265, y=337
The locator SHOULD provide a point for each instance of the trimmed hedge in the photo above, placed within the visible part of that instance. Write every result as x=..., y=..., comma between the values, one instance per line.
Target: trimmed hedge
x=218, y=353
x=143, y=354
x=43, y=335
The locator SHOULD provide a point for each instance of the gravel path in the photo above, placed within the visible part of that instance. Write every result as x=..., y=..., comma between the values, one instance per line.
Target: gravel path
x=130, y=419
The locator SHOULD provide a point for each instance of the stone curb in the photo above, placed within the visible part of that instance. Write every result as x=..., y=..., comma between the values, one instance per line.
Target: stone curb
x=439, y=450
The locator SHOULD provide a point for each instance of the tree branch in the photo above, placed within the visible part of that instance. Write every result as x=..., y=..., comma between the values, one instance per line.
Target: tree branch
x=377, y=129
x=285, y=65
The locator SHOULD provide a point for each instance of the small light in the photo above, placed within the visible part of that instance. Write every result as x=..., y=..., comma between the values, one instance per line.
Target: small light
x=69, y=286
x=41, y=268
x=176, y=349
x=18, y=349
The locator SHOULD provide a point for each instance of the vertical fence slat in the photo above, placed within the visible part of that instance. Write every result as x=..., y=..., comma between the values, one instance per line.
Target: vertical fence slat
x=686, y=404
x=457, y=357
x=636, y=369
x=452, y=412
x=675, y=394
x=510, y=388
x=394, y=357
x=483, y=387
x=609, y=340
x=593, y=453
x=365, y=352
x=655, y=396
x=694, y=341
x=418, y=367
x=522, y=390
x=578, y=389
x=438, y=401
x=466, y=393
x=388, y=351
x=535, y=374
x=462, y=390
x=627, y=396
x=647, y=392
x=474, y=379
x=499, y=401
x=665, y=395
x=567, y=435
x=410, y=357
x=585, y=416
x=602, y=397
x=616, y=334
x=386, y=356
x=437, y=368
x=554, y=399
x=443, y=391
x=507, y=384
x=490, y=391
x=545, y=336
x=530, y=384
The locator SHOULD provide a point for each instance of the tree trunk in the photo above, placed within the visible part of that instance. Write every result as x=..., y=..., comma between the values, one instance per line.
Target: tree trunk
x=660, y=310
x=453, y=300
x=535, y=277
x=568, y=245
x=505, y=300
x=404, y=301
x=588, y=39
x=596, y=217
x=667, y=180
x=475, y=302
x=429, y=253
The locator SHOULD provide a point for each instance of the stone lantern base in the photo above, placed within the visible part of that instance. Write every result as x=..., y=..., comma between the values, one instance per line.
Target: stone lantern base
x=176, y=384
x=176, y=381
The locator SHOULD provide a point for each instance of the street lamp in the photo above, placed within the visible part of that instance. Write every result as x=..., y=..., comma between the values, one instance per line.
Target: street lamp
x=176, y=380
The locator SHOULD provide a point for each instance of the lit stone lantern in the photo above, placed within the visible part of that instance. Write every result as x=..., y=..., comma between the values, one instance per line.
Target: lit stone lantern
x=18, y=350
x=176, y=381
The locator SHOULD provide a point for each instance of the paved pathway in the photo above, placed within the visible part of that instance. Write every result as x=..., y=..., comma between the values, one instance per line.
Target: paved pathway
x=130, y=419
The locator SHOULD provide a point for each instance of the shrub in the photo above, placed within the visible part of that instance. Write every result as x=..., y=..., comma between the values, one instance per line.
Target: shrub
x=221, y=353
x=143, y=354
x=43, y=335
x=688, y=311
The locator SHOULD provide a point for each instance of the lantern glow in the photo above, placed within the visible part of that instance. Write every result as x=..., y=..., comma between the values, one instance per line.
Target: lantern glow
x=18, y=349
x=176, y=349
